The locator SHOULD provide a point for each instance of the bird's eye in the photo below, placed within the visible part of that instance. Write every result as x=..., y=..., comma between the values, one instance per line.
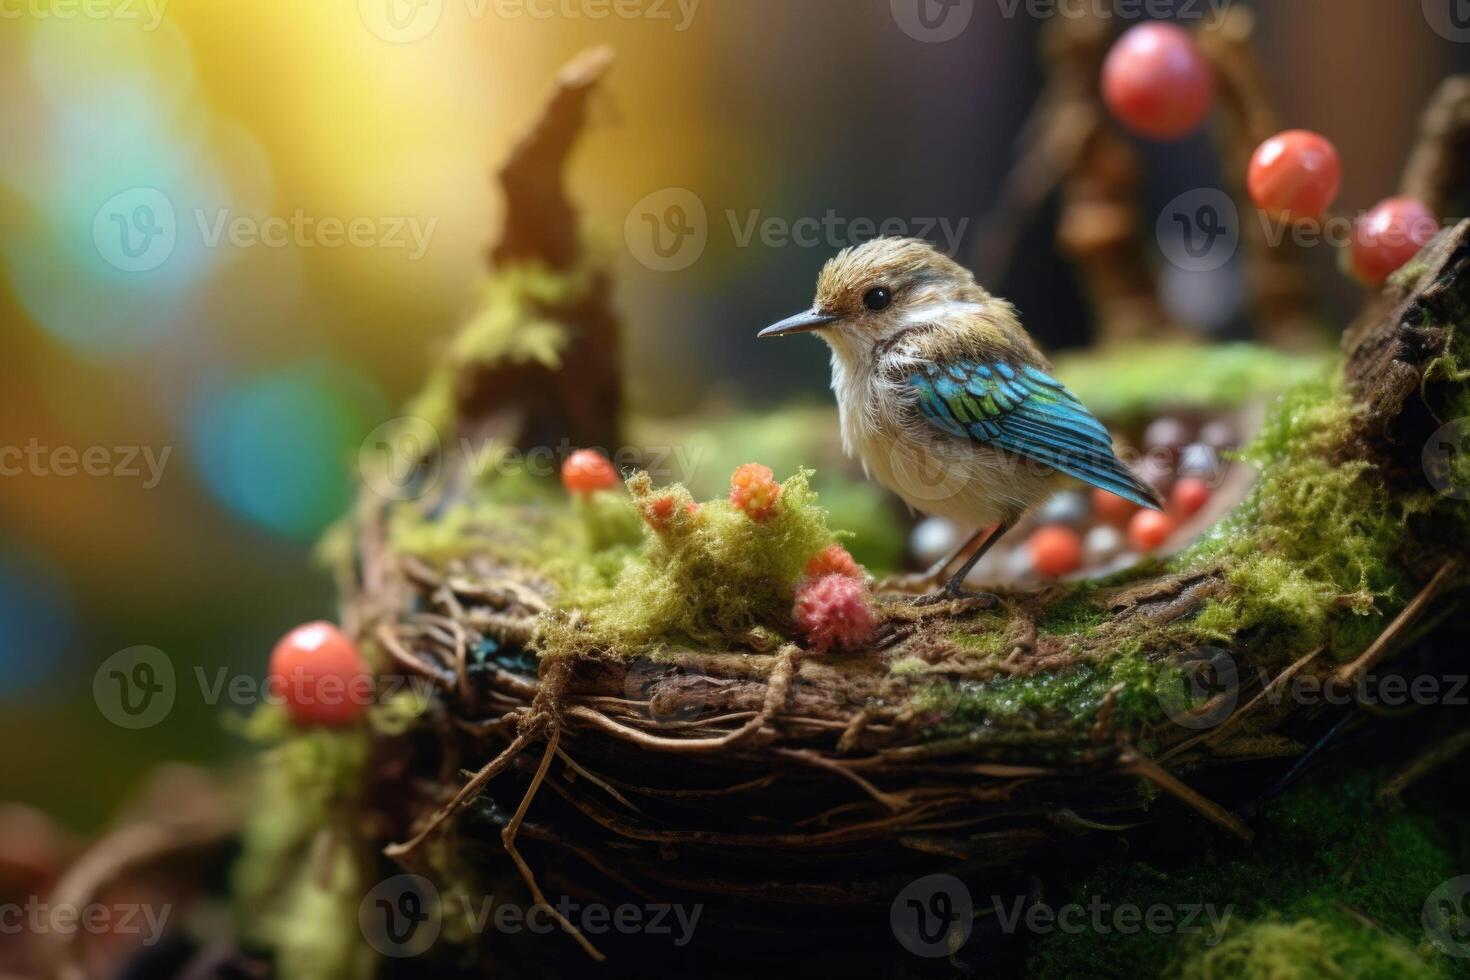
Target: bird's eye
x=877, y=298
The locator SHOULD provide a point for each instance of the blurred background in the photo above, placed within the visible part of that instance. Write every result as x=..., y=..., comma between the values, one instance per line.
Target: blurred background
x=232, y=234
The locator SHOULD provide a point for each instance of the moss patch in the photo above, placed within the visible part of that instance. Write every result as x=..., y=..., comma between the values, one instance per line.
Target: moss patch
x=1334, y=883
x=1052, y=710
x=510, y=325
x=1307, y=949
x=301, y=873
x=706, y=576
x=1313, y=544
x=786, y=439
x=1077, y=612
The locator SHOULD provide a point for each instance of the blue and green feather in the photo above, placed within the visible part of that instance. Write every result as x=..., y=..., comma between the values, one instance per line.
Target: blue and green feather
x=1025, y=411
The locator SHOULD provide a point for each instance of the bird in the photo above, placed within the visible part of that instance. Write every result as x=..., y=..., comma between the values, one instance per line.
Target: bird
x=947, y=401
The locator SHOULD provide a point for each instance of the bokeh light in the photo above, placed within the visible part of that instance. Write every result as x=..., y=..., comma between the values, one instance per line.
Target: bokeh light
x=275, y=448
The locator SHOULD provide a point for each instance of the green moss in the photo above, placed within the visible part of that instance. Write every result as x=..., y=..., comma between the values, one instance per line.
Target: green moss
x=1307, y=949
x=1065, y=703
x=1333, y=880
x=786, y=439
x=1128, y=383
x=513, y=323
x=1315, y=541
x=300, y=878
x=987, y=644
x=523, y=521
x=1408, y=274
x=706, y=577
x=1077, y=612
x=909, y=667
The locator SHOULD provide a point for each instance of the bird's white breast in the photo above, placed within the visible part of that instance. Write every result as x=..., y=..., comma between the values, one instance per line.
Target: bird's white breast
x=935, y=473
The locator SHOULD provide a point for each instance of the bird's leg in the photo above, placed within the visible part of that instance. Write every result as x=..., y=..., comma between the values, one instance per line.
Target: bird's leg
x=926, y=581
x=955, y=587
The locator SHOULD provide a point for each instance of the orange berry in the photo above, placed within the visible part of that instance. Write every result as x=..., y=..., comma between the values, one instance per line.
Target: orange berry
x=1111, y=508
x=1188, y=496
x=834, y=560
x=1055, y=550
x=754, y=490
x=320, y=676
x=587, y=470
x=1149, y=529
x=1295, y=174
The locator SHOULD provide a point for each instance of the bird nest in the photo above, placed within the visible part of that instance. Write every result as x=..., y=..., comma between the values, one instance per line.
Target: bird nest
x=792, y=794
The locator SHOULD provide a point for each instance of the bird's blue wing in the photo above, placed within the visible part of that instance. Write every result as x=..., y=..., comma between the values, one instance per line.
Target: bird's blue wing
x=1025, y=411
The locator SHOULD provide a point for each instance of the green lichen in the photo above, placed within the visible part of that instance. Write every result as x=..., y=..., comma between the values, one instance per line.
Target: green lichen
x=706, y=576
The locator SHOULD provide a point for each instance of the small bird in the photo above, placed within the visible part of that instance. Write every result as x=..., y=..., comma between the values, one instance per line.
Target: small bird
x=946, y=399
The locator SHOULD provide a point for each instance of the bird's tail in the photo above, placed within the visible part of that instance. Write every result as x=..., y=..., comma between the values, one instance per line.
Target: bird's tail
x=1140, y=493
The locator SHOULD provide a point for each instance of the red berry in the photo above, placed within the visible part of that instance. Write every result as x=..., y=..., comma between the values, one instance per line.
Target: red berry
x=754, y=490
x=1189, y=495
x=833, y=611
x=1157, y=83
x=587, y=470
x=318, y=673
x=834, y=560
x=1111, y=508
x=1055, y=550
x=1295, y=174
x=1389, y=236
x=1149, y=529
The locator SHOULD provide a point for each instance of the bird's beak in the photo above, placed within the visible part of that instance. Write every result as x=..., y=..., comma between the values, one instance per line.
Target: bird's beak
x=802, y=322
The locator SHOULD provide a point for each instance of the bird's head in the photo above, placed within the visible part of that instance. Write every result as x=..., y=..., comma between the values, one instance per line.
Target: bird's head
x=867, y=293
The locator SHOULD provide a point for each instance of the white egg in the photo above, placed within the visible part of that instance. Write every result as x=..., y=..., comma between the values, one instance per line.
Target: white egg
x=1101, y=544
